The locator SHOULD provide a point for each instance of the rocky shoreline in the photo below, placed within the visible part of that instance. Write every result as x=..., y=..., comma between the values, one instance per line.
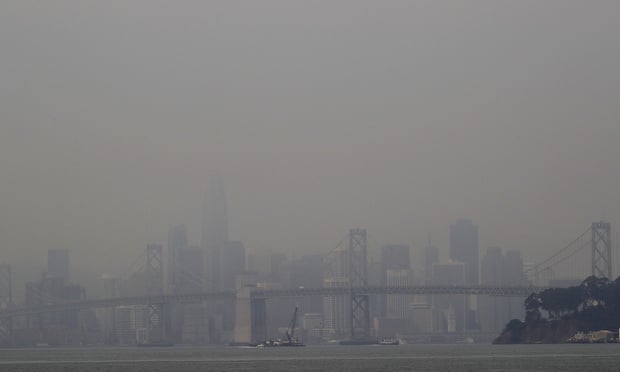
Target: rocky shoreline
x=540, y=332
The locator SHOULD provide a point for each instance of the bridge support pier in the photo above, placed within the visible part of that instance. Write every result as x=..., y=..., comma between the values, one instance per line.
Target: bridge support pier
x=251, y=318
x=156, y=323
x=360, y=312
x=601, y=250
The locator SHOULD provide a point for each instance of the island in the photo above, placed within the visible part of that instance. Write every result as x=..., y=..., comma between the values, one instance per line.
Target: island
x=557, y=315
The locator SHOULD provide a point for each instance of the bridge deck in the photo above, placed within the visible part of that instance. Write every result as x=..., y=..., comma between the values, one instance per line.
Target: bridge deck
x=272, y=293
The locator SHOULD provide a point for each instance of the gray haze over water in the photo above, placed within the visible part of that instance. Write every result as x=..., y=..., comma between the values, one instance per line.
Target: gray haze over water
x=396, y=116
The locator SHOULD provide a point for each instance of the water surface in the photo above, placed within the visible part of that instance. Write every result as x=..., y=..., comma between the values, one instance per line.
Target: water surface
x=319, y=358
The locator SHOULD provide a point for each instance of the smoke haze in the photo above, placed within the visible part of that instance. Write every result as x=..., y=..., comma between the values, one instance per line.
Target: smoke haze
x=396, y=116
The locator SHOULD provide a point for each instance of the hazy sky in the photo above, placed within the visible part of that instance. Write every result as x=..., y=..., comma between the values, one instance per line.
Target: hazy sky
x=397, y=116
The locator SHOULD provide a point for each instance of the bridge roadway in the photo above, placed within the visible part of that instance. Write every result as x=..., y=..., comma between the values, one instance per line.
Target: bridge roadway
x=271, y=293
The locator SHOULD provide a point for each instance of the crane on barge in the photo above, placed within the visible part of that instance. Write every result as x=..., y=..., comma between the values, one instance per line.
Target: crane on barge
x=290, y=341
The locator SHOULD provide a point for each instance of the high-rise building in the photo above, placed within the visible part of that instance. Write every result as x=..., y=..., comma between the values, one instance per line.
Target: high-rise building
x=214, y=231
x=501, y=270
x=397, y=305
x=111, y=285
x=189, y=320
x=123, y=331
x=260, y=264
x=491, y=309
x=277, y=263
x=431, y=256
x=336, y=309
x=340, y=263
x=450, y=274
x=393, y=257
x=396, y=257
x=421, y=317
x=306, y=271
x=514, y=268
x=195, y=325
x=514, y=275
x=111, y=289
x=312, y=326
x=232, y=260
x=177, y=240
x=491, y=267
x=464, y=248
x=58, y=264
x=50, y=289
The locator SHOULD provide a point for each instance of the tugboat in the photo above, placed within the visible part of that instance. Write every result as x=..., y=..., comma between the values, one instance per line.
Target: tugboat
x=291, y=340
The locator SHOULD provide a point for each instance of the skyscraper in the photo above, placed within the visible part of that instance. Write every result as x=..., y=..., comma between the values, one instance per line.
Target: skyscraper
x=177, y=240
x=491, y=309
x=189, y=320
x=393, y=257
x=449, y=274
x=396, y=257
x=464, y=248
x=340, y=263
x=336, y=309
x=431, y=256
x=58, y=264
x=214, y=231
x=232, y=260
x=190, y=272
x=499, y=269
x=397, y=304
x=111, y=289
x=514, y=275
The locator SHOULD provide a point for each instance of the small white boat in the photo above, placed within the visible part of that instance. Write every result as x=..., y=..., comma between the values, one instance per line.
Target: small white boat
x=389, y=341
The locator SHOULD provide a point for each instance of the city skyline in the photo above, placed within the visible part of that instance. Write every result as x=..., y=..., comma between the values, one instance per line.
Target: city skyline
x=179, y=234
x=347, y=267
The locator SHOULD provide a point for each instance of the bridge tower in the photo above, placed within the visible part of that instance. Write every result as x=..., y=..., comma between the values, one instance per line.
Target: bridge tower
x=155, y=287
x=359, y=319
x=6, y=301
x=250, y=318
x=601, y=249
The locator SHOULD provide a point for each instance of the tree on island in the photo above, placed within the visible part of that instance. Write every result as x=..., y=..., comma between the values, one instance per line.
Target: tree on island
x=555, y=314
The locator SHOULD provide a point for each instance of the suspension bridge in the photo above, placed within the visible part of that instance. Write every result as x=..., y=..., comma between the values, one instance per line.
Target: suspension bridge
x=588, y=254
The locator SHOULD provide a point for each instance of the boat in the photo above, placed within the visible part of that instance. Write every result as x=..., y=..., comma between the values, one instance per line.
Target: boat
x=389, y=341
x=280, y=343
x=290, y=341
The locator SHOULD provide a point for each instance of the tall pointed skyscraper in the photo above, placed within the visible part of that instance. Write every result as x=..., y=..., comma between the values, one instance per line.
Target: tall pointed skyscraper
x=214, y=231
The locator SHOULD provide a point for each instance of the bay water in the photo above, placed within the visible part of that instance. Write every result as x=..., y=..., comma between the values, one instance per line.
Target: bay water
x=466, y=357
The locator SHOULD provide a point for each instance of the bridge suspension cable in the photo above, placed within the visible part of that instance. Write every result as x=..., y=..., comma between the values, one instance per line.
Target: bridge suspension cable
x=577, y=268
x=135, y=266
x=558, y=253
